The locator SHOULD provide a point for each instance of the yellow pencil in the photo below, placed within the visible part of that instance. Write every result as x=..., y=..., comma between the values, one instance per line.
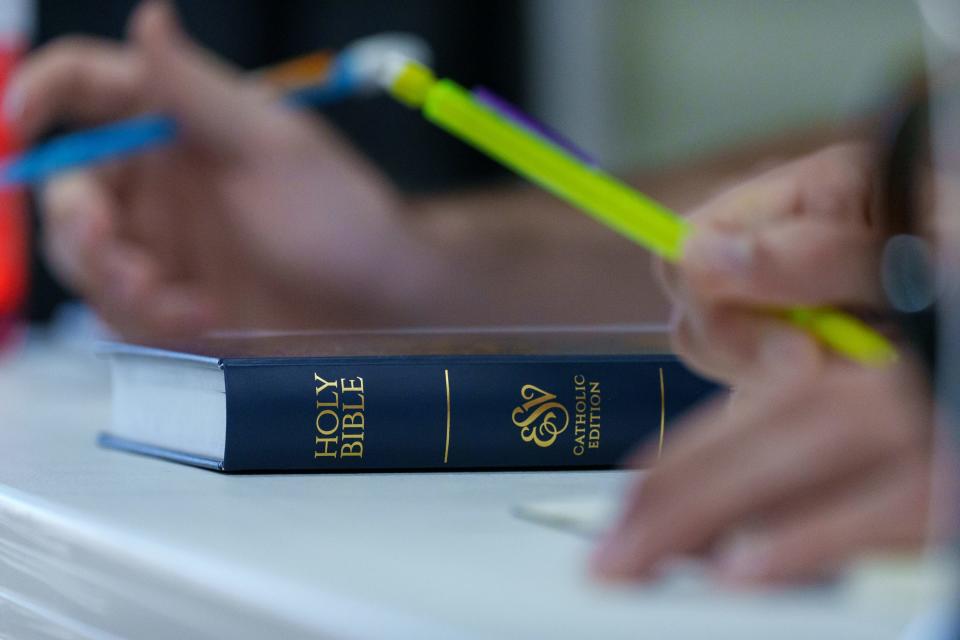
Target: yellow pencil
x=600, y=195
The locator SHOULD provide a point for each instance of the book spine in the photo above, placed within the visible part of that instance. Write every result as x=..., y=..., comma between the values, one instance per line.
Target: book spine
x=448, y=412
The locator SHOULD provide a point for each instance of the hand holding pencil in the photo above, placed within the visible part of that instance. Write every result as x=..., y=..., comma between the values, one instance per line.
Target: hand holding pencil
x=244, y=222
x=523, y=147
x=799, y=234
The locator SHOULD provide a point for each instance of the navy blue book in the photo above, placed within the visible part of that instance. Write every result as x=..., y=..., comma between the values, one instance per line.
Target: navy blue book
x=402, y=401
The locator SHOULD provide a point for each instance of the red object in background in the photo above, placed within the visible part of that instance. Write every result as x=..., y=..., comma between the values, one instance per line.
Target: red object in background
x=15, y=17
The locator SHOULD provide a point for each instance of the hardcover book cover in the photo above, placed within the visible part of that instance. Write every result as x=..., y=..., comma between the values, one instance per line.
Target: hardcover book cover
x=399, y=401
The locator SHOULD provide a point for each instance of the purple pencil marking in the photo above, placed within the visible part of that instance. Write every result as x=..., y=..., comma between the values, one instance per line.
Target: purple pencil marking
x=514, y=114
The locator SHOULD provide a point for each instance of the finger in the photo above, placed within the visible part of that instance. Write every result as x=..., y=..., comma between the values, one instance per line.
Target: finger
x=210, y=100
x=836, y=183
x=74, y=79
x=832, y=184
x=782, y=449
x=140, y=304
x=737, y=346
x=687, y=505
x=122, y=281
x=705, y=434
x=886, y=510
x=78, y=223
x=803, y=261
x=756, y=202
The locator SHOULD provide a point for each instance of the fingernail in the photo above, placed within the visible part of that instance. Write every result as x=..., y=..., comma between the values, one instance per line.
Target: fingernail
x=13, y=103
x=615, y=555
x=728, y=253
x=605, y=559
x=744, y=563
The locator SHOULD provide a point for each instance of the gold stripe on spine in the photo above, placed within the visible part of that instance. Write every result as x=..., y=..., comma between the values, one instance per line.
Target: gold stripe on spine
x=446, y=446
x=663, y=413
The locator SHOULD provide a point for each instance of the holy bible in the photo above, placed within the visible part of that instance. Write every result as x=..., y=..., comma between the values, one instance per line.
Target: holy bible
x=348, y=402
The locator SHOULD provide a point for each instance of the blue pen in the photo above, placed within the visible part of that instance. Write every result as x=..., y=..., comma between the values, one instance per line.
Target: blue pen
x=113, y=141
x=353, y=73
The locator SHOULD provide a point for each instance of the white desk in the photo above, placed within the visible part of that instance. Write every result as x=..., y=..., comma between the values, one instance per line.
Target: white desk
x=97, y=543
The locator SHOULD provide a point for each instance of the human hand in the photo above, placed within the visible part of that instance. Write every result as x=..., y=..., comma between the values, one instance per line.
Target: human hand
x=786, y=483
x=258, y=216
x=800, y=234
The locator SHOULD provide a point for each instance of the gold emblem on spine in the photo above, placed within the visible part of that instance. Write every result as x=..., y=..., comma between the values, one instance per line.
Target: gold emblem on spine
x=539, y=417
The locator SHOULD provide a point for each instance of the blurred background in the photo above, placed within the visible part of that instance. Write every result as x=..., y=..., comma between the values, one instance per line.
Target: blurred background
x=651, y=82
x=640, y=83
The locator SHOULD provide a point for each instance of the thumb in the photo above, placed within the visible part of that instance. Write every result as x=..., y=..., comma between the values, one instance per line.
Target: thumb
x=801, y=261
x=212, y=102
